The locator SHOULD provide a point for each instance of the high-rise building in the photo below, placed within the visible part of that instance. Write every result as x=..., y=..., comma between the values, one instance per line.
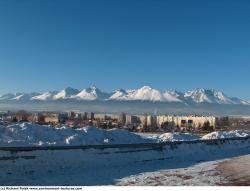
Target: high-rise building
x=90, y=116
x=131, y=120
x=151, y=121
x=195, y=122
x=71, y=115
x=51, y=118
x=122, y=118
x=143, y=120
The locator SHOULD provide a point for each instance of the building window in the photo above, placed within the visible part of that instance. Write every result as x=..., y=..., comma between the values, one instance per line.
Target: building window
x=183, y=123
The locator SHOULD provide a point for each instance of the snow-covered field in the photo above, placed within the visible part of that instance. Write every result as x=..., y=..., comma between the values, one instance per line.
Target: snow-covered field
x=109, y=166
x=202, y=174
x=231, y=171
x=27, y=134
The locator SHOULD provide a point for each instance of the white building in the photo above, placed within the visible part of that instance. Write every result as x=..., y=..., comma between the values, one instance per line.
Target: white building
x=186, y=121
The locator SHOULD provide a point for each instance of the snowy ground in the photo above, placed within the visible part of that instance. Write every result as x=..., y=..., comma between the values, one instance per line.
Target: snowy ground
x=236, y=171
x=186, y=162
x=202, y=174
x=27, y=134
x=109, y=166
x=231, y=171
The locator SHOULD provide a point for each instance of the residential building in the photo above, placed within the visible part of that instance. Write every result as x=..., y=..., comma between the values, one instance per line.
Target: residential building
x=51, y=118
x=90, y=116
x=122, y=118
x=131, y=120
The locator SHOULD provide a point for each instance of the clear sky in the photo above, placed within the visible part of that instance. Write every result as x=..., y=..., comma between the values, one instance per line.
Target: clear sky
x=174, y=44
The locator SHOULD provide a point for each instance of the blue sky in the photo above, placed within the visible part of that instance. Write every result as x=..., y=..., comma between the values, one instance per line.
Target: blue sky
x=52, y=44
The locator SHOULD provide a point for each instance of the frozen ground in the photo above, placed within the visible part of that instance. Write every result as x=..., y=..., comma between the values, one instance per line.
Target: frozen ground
x=233, y=172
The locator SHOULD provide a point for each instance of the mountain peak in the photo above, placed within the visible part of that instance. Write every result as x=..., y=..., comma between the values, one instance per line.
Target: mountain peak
x=92, y=93
x=66, y=93
x=145, y=93
x=201, y=95
x=69, y=89
x=146, y=88
x=93, y=86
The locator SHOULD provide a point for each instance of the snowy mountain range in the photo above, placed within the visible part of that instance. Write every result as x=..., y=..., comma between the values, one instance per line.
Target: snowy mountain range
x=145, y=93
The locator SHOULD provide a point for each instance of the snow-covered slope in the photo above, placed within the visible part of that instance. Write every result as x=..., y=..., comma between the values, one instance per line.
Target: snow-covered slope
x=240, y=101
x=66, y=93
x=25, y=96
x=27, y=134
x=92, y=93
x=173, y=96
x=119, y=95
x=176, y=137
x=18, y=96
x=45, y=96
x=226, y=134
x=9, y=96
x=147, y=93
x=211, y=96
x=144, y=93
x=198, y=96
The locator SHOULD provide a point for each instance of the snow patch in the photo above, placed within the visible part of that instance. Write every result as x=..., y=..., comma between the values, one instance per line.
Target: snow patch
x=92, y=93
x=66, y=93
x=226, y=134
x=27, y=134
x=177, y=137
x=45, y=96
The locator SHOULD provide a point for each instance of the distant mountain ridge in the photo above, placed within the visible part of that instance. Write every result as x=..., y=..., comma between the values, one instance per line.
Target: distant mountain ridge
x=145, y=93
